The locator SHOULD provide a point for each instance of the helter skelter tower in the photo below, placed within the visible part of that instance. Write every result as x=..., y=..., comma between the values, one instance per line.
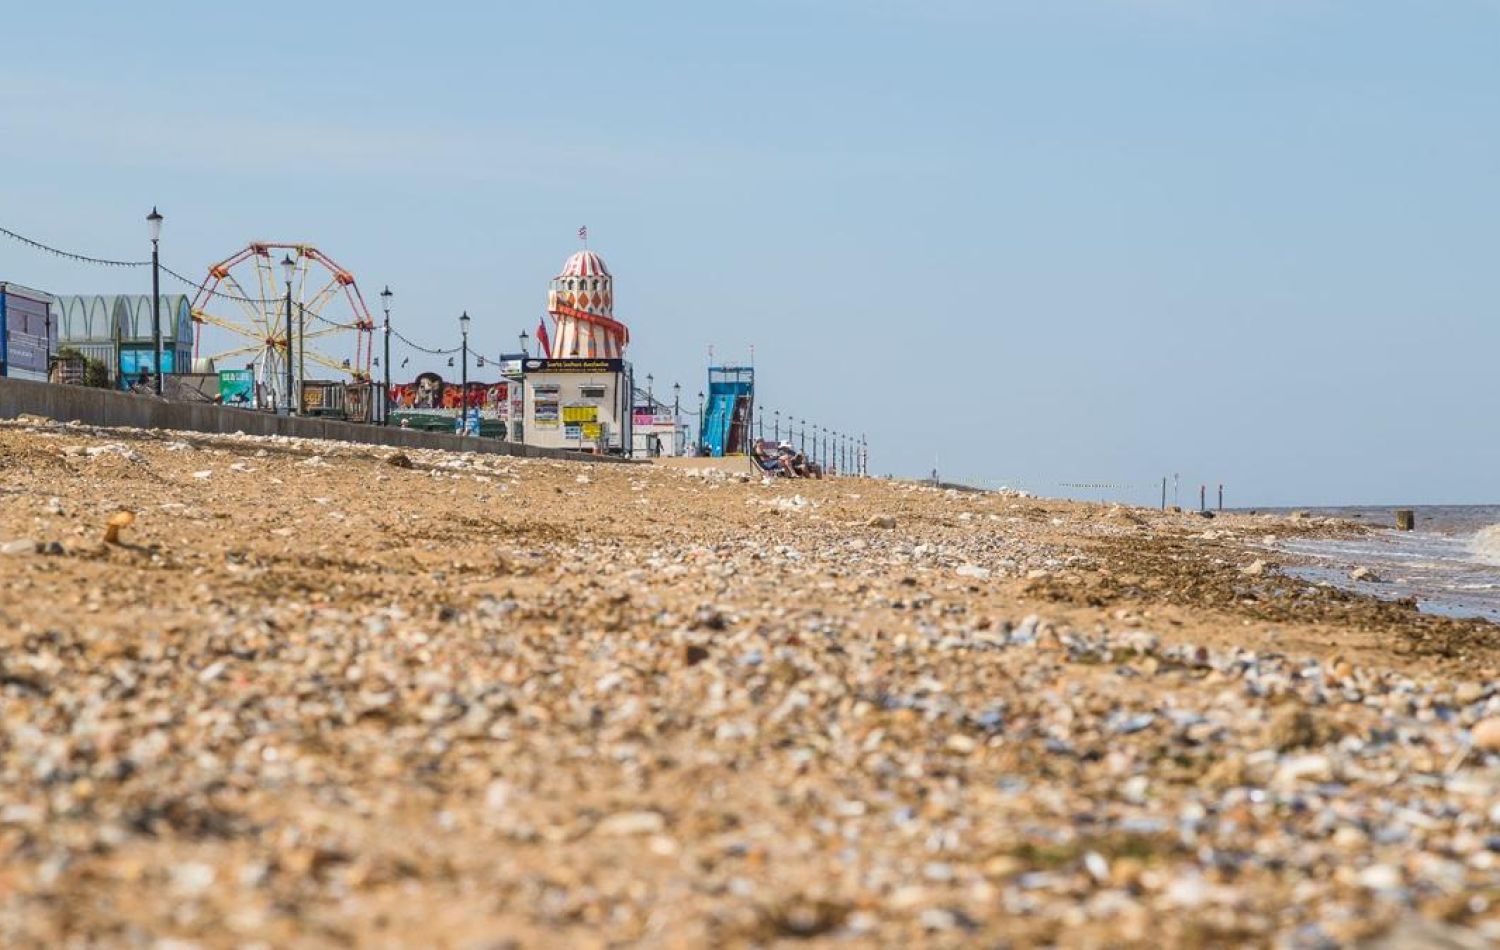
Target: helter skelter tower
x=581, y=300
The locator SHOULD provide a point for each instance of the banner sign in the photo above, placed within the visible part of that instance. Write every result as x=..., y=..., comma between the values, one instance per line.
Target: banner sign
x=544, y=408
x=580, y=414
x=469, y=426
x=430, y=393
x=646, y=416
x=322, y=396
x=236, y=387
x=577, y=366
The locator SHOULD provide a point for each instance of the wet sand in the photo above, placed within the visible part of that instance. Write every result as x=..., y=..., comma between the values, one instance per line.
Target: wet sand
x=316, y=697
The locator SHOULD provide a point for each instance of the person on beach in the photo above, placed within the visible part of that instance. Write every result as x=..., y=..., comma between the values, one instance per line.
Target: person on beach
x=785, y=459
x=797, y=463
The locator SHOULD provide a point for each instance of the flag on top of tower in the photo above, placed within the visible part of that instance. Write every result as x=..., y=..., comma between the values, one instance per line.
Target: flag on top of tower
x=583, y=233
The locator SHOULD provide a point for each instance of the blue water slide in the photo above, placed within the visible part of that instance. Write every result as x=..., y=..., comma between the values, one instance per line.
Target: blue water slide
x=720, y=415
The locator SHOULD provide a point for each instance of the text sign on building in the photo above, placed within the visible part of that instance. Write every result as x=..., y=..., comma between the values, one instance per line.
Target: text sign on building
x=581, y=367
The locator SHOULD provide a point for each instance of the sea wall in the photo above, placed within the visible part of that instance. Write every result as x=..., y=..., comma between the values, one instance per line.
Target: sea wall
x=104, y=407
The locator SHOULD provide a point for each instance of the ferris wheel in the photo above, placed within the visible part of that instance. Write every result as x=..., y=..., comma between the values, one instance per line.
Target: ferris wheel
x=241, y=317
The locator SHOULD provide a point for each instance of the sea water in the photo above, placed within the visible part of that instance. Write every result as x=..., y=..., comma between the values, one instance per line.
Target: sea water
x=1450, y=564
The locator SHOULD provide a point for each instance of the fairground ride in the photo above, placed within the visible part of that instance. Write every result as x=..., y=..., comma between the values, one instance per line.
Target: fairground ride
x=241, y=316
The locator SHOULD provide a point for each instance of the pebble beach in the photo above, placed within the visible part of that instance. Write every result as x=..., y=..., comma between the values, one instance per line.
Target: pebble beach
x=320, y=694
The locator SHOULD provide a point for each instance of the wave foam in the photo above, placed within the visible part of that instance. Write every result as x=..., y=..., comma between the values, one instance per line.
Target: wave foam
x=1486, y=544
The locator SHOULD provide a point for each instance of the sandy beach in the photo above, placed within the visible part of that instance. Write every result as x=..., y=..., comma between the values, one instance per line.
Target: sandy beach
x=320, y=695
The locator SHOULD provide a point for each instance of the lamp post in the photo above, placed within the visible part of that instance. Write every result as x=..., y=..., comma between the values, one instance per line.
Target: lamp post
x=802, y=436
x=650, y=398
x=700, y=420
x=524, y=337
x=153, y=225
x=385, y=399
x=463, y=412
x=676, y=399
x=288, y=268
x=776, y=419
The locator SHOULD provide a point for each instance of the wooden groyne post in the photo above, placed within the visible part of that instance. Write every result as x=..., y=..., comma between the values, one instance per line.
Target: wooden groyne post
x=1406, y=519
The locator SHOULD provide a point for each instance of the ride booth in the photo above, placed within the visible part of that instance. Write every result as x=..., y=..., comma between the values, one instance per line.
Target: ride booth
x=578, y=404
x=432, y=404
x=725, y=428
x=28, y=337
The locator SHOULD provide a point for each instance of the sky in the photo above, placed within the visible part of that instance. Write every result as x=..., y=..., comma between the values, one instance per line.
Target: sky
x=1030, y=244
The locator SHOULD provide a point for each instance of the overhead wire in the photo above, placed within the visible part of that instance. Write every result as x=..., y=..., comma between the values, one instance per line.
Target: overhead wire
x=70, y=255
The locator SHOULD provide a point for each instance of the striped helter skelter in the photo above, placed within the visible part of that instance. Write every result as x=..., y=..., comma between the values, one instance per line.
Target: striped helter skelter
x=581, y=299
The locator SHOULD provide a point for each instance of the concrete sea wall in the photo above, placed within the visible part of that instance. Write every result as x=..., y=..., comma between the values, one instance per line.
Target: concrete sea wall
x=103, y=407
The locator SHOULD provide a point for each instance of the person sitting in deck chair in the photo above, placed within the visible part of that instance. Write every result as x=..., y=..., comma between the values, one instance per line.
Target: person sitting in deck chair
x=771, y=463
x=798, y=462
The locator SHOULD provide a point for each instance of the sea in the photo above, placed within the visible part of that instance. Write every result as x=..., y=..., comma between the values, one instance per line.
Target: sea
x=1450, y=563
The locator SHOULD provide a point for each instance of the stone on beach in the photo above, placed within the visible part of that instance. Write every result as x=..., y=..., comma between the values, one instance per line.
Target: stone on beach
x=350, y=702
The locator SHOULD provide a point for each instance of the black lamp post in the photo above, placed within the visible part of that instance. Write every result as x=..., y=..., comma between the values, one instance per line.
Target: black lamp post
x=385, y=399
x=776, y=432
x=463, y=414
x=650, y=396
x=676, y=408
x=288, y=268
x=802, y=436
x=524, y=337
x=701, y=444
x=153, y=225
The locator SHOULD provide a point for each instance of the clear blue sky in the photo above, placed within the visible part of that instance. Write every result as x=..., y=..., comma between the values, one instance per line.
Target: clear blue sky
x=1081, y=240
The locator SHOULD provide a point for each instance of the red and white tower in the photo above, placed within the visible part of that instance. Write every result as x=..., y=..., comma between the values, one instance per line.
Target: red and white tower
x=581, y=300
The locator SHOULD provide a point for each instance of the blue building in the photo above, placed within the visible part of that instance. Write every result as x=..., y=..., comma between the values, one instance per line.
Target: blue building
x=28, y=334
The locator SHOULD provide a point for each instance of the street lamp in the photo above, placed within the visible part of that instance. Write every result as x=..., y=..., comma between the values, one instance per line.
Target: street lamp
x=463, y=414
x=288, y=270
x=802, y=436
x=776, y=433
x=385, y=400
x=676, y=403
x=650, y=398
x=700, y=420
x=524, y=337
x=153, y=226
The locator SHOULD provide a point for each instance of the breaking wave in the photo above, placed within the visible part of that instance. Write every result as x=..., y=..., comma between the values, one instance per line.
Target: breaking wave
x=1486, y=544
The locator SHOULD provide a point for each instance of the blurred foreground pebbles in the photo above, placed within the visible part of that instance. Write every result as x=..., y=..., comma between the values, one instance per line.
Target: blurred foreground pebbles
x=328, y=697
